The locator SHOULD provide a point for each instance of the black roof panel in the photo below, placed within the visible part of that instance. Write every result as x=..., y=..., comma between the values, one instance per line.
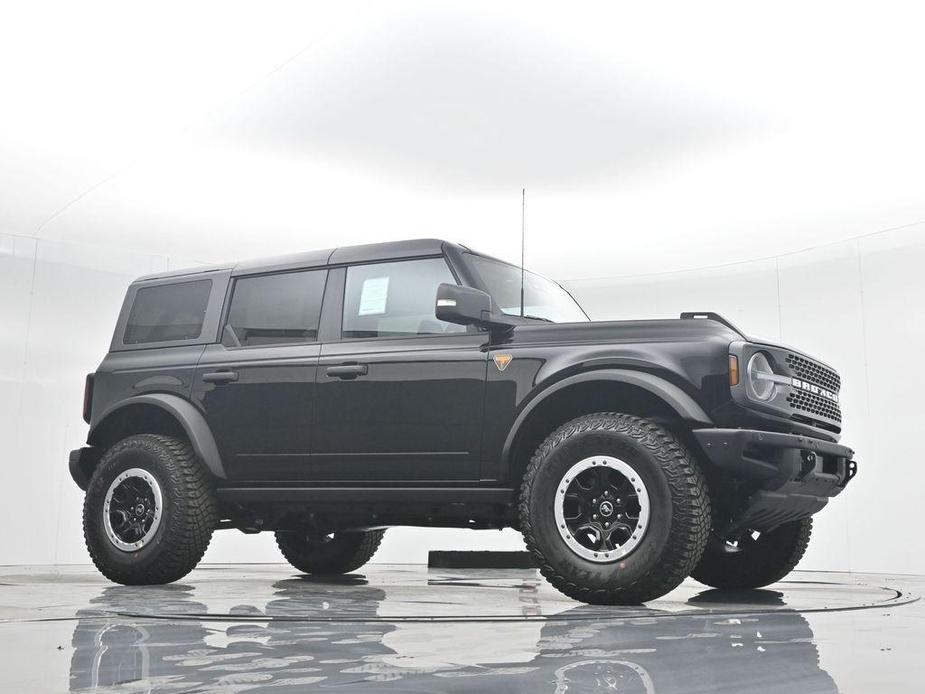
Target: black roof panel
x=392, y=250
x=386, y=251
x=283, y=262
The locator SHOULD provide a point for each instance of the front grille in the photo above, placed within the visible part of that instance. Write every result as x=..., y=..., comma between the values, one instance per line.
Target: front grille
x=808, y=370
x=813, y=405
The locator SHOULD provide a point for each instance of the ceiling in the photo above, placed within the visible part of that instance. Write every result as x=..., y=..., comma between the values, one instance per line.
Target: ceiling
x=649, y=138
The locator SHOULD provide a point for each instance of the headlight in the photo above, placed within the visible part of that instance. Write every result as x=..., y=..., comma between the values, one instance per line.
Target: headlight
x=760, y=377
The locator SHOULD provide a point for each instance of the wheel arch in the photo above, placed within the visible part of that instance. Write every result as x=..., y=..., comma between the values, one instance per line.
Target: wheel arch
x=158, y=413
x=618, y=390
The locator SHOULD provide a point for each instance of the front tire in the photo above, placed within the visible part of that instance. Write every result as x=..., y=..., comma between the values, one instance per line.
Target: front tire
x=755, y=562
x=149, y=511
x=664, y=522
x=335, y=553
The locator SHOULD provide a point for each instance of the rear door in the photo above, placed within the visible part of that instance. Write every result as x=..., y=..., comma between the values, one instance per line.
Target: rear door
x=400, y=396
x=257, y=387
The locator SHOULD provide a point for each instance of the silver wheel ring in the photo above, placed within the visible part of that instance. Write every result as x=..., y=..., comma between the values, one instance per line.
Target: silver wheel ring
x=151, y=481
x=641, y=526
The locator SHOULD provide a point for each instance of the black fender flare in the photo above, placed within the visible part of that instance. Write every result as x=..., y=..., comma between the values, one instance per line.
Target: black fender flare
x=683, y=404
x=191, y=419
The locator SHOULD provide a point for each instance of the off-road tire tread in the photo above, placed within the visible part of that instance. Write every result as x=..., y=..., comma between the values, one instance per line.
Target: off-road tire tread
x=690, y=530
x=349, y=561
x=189, y=526
x=757, y=569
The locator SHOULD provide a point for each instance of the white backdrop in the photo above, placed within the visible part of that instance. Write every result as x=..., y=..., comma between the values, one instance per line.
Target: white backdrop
x=856, y=304
x=647, y=145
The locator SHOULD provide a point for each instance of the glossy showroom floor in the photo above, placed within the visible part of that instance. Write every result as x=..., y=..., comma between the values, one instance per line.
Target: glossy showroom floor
x=404, y=628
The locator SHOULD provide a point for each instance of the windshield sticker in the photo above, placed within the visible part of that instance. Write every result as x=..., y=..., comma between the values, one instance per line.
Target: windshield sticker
x=374, y=296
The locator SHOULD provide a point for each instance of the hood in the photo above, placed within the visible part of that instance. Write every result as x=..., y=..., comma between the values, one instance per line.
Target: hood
x=667, y=330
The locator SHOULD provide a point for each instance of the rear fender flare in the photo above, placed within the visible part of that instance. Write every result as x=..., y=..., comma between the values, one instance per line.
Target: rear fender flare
x=190, y=419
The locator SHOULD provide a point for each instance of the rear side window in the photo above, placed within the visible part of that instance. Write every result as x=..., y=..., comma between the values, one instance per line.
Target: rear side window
x=275, y=309
x=168, y=312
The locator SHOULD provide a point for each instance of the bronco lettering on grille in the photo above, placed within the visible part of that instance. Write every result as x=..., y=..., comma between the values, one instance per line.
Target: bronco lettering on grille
x=800, y=384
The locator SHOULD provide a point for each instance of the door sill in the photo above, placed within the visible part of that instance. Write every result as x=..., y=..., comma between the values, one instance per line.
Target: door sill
x=435, y=495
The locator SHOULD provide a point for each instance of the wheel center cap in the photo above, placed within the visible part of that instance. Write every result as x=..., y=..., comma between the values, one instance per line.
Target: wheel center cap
x=139, y=510
x=606, y=509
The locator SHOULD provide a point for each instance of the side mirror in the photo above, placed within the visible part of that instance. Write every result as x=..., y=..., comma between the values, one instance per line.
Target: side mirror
x=468, y=306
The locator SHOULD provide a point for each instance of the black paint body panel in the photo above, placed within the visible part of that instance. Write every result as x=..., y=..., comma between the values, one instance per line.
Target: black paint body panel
x=420, y=412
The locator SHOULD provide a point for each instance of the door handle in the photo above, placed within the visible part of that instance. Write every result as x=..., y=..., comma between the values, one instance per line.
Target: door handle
x=220, y=376
x=346, y=371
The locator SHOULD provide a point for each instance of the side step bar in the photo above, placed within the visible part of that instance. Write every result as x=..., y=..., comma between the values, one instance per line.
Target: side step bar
x=425, y=495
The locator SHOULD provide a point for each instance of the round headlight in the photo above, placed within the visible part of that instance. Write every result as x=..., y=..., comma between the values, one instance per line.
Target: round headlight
x=759, y=375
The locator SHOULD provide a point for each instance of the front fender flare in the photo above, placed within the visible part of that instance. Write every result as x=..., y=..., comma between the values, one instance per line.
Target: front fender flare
x=686, y=407
x=193, y=423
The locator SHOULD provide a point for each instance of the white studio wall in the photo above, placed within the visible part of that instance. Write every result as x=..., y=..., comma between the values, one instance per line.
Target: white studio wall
x=666, y=145
x=855, y=304
x=642, y=145
x=59, y=304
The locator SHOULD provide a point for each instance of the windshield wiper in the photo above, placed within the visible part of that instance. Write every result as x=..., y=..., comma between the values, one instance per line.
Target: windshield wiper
x=545, y=320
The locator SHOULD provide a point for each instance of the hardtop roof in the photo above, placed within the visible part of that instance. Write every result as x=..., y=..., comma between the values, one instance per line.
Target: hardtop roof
x=392, y=250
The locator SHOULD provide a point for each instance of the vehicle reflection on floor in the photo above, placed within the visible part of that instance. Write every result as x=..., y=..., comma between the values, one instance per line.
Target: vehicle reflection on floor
x=343, y=634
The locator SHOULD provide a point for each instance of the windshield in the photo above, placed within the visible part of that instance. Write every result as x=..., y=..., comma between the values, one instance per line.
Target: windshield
x=543, y=298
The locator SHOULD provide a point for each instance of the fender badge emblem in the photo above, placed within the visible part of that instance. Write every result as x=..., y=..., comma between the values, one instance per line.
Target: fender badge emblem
x=502, y=360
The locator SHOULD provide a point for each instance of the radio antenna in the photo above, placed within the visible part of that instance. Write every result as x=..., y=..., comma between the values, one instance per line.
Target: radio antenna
x=523, y=236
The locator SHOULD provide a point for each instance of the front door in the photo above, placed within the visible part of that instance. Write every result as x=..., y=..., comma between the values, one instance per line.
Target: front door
x=400, y=397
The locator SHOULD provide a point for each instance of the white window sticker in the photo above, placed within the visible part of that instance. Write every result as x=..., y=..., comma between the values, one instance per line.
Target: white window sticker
x=374, y=296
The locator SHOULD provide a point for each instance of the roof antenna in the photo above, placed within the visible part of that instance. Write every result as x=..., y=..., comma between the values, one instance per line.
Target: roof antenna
x=523, y=228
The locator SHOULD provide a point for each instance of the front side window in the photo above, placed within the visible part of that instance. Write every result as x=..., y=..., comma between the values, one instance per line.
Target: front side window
x=275, y=309
x=395, y=299
x=168, y=312
x=543, y=298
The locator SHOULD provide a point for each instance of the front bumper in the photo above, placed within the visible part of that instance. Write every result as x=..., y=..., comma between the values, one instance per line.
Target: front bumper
x=787, y=476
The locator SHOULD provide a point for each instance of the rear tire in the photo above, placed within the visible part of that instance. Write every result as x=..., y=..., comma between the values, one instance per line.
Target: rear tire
x=149, y=511
x=650, y=558
x=338, y=553
x=755, y=562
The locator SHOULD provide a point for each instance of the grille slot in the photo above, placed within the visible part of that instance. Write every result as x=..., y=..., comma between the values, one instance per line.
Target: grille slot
x=813, y=405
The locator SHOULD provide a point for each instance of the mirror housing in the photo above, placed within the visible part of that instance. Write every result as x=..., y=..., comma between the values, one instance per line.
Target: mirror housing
x=469, y=306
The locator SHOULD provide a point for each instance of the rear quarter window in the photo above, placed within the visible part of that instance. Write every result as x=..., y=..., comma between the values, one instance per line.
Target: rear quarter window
x=168, y=312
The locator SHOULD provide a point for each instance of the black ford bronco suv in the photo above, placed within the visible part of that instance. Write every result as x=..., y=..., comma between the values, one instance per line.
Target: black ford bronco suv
x=329, y=395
